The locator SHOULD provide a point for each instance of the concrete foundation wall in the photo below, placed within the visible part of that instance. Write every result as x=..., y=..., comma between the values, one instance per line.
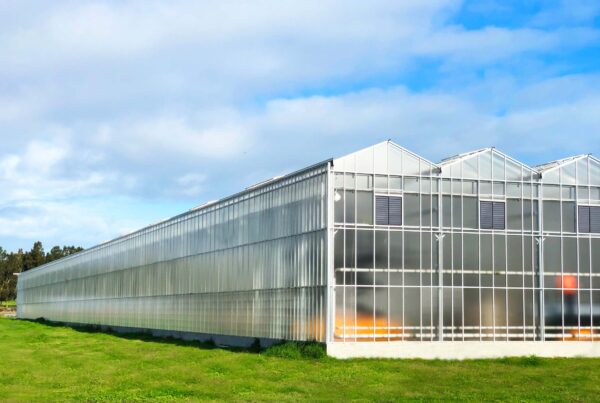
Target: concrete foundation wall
x=462, y=350
x=218, y=339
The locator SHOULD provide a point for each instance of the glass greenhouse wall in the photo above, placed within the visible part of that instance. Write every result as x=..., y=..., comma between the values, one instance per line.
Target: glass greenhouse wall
x=478, y=247
x=251, y=265
x=378, y=245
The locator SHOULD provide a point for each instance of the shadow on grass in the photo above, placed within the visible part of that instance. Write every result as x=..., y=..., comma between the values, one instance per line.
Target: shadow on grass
x=284, y=349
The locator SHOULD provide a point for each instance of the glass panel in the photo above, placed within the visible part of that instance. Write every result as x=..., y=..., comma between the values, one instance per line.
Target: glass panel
x=456, y=186
x=350, y=182
x=381, y=182
x=339, y=206
x=569, y=255
x=513, y=189
x=426, y=211
x=596, y=259
x=485, y=165
x=470, y=212
x=498, y=189
x=499, y=253
x=412, y=209
x=446, y=186
x=568, y=192
x=364, y=202
x=425, y=185
x=470, y=168
x=396, y=250
x=365, y=249
x=486, y=252
x=396, y=312
x=594, y=172
x=567, y=173
x=514, y=246
x=582, y=172
x=412, y=313
x=551, y=191
x=456, y=211
x=470, y=187
x=551, y=176
x=350, y=261
x=411, y=165
x=583, y=192
x=486, y=188
x=339, y=249
x=471, y=252
x=552, y=216
x=527, y=215
x=412, y=250
x=471, y=306
x=411, y=184
x=364, y=312
x=498, y=167
x=381, y=249
x=552, y=256
x=447, y=211
x=513, y=214
x=434, y=211
x=395, y=183
x=568, y=216
x=513, y=171
x=364, y=181
x=584, y=256
x=339, y=180
x=350, y=206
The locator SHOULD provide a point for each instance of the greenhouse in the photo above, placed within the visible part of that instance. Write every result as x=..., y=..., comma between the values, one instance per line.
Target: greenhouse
x=369, y=253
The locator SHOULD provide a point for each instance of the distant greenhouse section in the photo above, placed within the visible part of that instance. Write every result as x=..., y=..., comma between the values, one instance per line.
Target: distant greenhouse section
x=381, y=245
x=253, y=265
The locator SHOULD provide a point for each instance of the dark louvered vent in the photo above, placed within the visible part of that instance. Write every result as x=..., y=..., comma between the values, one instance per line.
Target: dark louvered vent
x=486, y=214
x=595, y=219
x=583, y=218
x=499, y=215
x=395, y=217
x=382, y=210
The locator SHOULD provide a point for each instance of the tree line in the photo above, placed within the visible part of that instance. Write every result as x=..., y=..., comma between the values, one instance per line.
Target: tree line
x=20, y=261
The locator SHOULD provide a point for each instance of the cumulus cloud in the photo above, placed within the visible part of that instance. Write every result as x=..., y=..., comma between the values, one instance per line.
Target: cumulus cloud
x=170, y=104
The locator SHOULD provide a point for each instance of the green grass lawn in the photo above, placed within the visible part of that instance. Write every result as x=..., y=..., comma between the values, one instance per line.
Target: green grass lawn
x=42, y=362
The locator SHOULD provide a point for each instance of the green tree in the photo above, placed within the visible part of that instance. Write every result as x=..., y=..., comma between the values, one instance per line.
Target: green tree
x=10, y=263
x=35, y=257
x=17, y=262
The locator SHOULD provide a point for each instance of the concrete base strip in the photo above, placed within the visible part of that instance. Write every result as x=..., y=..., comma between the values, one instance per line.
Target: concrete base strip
x=462, y=350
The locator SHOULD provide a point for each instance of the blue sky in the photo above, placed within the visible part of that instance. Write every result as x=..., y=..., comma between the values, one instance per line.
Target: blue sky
x=114, y=115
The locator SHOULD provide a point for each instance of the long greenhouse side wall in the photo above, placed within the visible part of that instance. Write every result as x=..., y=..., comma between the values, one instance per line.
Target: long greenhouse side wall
x=253, y=265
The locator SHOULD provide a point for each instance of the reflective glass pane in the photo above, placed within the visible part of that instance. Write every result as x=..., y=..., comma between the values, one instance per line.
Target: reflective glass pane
x=568, y=216
x=412, y=209
x=412, y=250
x=552, y=216
x=364, y=210
x=364, y=243
x=513, y=214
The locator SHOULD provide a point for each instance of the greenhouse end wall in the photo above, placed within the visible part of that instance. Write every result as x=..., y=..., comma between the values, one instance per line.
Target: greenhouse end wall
x=475, y=249
x=253, y=265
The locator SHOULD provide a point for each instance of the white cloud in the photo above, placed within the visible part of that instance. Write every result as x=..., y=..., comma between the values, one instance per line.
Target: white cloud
x=195, y=100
